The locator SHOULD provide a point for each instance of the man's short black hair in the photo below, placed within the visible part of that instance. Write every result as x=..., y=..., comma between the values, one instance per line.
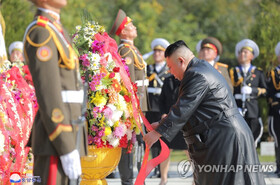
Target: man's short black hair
x=173, y=47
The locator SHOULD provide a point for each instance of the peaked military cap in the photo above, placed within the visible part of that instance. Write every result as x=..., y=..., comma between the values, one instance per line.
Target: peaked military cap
x=120, y=22
x=213, y=43
x=247, y=44
x=160, y=44
x=17, y=45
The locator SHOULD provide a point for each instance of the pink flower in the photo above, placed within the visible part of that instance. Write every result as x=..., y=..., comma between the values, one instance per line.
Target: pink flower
x=85, y=60
x=108, y=113
x=97, y=47
x=119, y=132
x=90, y=139
x=94, y=128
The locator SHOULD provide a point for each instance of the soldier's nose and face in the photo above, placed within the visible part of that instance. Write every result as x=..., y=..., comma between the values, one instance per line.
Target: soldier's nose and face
x=57, y=3
x=16, y=56
x=131, y=29
x=245, y=56
x=158, y=55
x=208, y=54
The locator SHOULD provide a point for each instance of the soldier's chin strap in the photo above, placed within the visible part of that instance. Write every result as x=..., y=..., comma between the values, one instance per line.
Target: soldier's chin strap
x=80, y=123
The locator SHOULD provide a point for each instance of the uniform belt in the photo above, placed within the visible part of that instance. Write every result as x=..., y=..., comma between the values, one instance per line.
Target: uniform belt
x=203, y=126
x=239, y=96
x=155, y=90
x=142, y=82
x=72, y=96
x=277, y=95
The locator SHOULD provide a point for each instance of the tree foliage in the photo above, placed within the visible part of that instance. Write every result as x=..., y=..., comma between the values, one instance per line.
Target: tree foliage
x=266, y=33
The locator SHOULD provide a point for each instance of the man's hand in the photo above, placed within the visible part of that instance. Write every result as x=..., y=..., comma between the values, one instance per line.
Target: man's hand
x=151, y=138
x=71, y=164
x=155, y=125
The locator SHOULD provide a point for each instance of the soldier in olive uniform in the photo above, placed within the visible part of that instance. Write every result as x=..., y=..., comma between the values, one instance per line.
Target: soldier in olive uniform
x=273, y=94
x=211, y=50
x=54, y=68
x=156, y=73
x=124, y=28
x=249, y=84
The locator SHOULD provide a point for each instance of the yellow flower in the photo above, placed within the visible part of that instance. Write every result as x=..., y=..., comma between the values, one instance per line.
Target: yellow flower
x=98, y=100
x=107, y=131
x=116, y=124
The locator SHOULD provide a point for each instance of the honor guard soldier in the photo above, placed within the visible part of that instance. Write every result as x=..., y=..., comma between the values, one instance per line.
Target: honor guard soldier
x=211, y=50
x=3, y=53
x=249, y=84
x=124, y=28
x=57, y=141
x=16, y=52
x=156, y=74
x=273, y=94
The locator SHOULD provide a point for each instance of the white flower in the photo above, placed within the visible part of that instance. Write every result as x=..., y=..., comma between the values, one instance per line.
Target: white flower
x=113, y=141
x=117, y=114
x=118, y=76
x=121, y=104
x=78, y=28
x=129, y=134
x=94, y=58
x=2, y=142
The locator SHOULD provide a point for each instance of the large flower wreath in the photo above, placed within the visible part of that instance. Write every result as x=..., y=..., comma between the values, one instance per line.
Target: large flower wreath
x=112, y=115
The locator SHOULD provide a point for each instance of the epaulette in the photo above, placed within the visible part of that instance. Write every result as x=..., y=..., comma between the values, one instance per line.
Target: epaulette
x=222, y=65
x=42, y=21
x=124, y=47
x=260, y=69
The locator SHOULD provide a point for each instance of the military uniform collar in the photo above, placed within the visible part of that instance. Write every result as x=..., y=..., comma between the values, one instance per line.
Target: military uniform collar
x=212, y=62
x=127, y=41
x=51, y=15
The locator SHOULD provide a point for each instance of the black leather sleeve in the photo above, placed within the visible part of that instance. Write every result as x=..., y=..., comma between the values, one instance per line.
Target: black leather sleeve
x=193, y=89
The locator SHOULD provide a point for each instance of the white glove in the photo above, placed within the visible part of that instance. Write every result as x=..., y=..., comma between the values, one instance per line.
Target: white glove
x=246, y=90
x=71, y=164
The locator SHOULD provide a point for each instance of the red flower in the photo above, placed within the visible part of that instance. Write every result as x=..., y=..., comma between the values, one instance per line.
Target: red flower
x=135, y=88
x=116, y=69
x=127, y=98
x=123, y=141
x=112, y=75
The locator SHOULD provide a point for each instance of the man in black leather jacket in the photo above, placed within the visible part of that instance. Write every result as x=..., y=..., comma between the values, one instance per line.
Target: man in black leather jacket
x=214, y=130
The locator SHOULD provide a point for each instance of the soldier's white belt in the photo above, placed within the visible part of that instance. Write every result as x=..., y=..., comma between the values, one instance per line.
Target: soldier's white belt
x=142, y=82
x=72, y=96
x=277, y=95
x=248, y=96
x=239, y=96
x=154, y=90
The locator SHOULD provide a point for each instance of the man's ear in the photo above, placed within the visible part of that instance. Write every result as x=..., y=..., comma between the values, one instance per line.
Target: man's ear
x=181, y=60
x=123, y=32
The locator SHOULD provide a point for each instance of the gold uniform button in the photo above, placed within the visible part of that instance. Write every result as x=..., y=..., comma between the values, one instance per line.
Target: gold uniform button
x=249, y=84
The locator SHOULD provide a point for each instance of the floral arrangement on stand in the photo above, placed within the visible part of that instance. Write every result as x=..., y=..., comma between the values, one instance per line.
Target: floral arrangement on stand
x=18, y=106
x=112, y=114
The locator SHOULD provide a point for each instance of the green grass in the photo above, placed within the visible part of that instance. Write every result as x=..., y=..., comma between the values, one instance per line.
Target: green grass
x=179, y=155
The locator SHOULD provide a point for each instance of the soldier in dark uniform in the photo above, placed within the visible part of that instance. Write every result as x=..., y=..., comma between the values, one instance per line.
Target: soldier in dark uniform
x=249, y=84
x=273, y=94
x=211, y=50
x=156, y=74
x=54, y=68
x=124, y=28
